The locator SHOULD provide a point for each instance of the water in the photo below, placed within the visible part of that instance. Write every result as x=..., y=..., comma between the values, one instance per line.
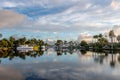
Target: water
x=59, y=65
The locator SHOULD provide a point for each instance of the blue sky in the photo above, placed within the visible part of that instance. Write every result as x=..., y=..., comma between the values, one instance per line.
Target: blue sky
x=58, y=19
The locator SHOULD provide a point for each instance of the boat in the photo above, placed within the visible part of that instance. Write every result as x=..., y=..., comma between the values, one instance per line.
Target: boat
x=24, y=47
x=43, y=48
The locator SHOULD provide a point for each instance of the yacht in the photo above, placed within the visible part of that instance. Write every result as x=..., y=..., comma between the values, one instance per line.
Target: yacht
x=24, y=47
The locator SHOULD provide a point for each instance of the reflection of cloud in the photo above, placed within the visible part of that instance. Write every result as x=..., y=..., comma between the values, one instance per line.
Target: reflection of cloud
x=84, y=69
x=70, y=71
x=9, y=73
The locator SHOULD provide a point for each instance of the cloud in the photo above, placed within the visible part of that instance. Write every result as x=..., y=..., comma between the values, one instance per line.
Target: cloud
x=102, y=3
x=93, y=16
x=8, y=4
x=85, y=36
x=10, y=18
x=115, y=4
x=116, y=29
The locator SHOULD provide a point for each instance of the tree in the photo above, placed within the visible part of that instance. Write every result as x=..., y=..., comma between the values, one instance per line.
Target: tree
x=59, y=42
x=0, y=35
x=40, y=42
x=22, y=40
x=95, y=37
x=65, y=42
x=4, y=43
x=111, y=35
x=100, y=35
x=102, y=42
x=11, y=40
x=71, y=43
x=118, y=38
x=33, y=41
x=84, y=44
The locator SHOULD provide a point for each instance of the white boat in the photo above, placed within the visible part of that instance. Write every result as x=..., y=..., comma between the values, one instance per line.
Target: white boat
x=24, y=47
x=43, y=48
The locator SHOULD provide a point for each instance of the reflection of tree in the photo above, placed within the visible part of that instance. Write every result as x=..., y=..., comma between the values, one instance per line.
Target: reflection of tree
x=83, y=52
x=1, y=54
x=112, y=62
x=14, y=53
x=11, y=57
x=99, y=57
x=59, y=52
x=64, y=51
x=71, y=51
x=4, y=53
x=119, y=58
x=40, y=53
x=22, y=55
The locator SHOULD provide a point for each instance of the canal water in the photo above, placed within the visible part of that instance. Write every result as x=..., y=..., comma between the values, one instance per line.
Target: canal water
x=59, y=65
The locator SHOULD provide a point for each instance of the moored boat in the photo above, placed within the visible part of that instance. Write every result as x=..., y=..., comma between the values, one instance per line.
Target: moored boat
x=24, y=47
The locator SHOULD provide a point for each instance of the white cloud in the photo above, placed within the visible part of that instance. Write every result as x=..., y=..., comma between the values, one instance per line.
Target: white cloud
x=116, y=29
x=115, y=4
x=10, y=18
x=79, y=16
x=85, y=36
x=8, y=4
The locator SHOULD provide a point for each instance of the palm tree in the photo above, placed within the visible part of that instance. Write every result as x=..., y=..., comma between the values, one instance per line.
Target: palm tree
x=12, y=40
x=0, y=35
x=111, y=35
x=95, y=37
x=118, y=38
x=100, y=35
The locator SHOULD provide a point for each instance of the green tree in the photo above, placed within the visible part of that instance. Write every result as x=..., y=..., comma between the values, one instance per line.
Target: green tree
x=102, y=42
x=22, y=41
x=84, y=44
x=111, y=35
x=100, y=35
x=11, y=40
x=0, y=35
x=118, y=38
x=4, y=43
x=95, y=37
x=59, y=42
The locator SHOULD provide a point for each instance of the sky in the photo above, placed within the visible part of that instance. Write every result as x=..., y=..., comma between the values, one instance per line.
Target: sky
x=58, y=19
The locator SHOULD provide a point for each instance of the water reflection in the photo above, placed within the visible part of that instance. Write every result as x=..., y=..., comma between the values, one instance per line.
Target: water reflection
x=65, y=64
x=98, y=57
x=13, y=75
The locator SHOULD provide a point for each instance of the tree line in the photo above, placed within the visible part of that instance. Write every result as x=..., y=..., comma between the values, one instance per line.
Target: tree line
x=12, y=42
x=101, y=42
